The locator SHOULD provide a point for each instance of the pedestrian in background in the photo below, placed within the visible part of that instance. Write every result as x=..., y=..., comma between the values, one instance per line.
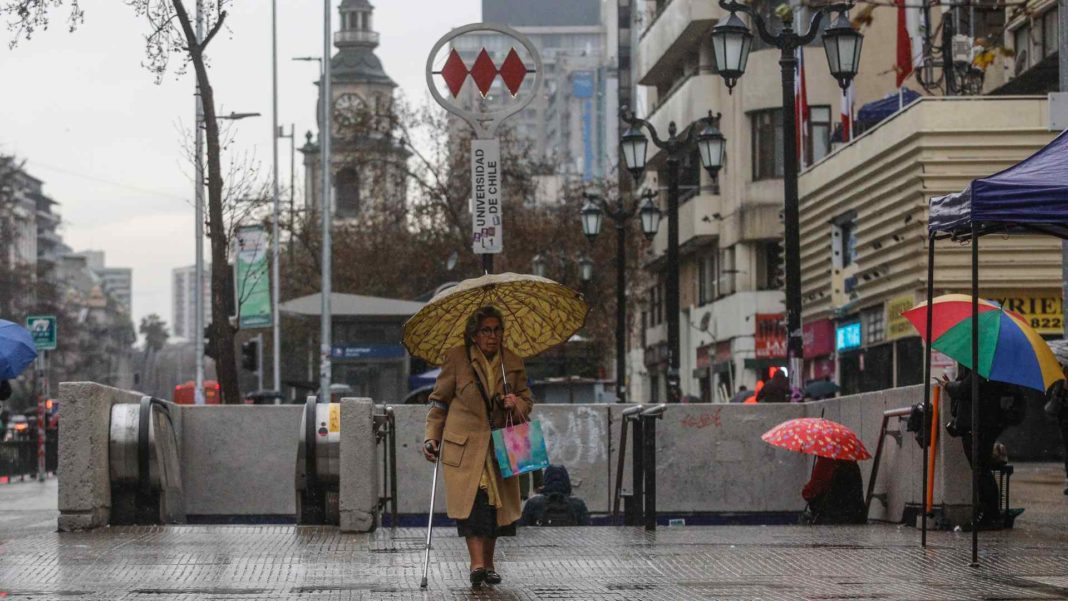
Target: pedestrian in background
x=776, y=390
x=1057, y=408
x=1000, y=405
x=470, y=399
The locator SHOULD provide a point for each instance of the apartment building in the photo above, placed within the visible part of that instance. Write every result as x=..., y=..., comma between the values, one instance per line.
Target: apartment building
x=731, y=297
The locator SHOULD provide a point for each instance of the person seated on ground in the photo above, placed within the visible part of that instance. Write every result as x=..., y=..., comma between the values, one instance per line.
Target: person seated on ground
x=776, y=390
x=835, y=493
x=554, y=505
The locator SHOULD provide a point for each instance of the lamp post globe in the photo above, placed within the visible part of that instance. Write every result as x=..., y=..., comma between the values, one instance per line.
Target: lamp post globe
x=711, y=143
x=633, y=144
x=842, y=44
x=592, y=218
x=650, y=217
x=538, y=265
x=585, y=268
x=731, y=43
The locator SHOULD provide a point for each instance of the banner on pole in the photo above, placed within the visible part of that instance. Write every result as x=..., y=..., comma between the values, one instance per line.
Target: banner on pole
x=487, y=237
x=251, y=277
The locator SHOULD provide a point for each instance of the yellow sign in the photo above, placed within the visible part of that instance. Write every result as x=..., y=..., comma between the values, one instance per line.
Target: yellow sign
x=1043, y=310
x=334, y=424
x=897, y=326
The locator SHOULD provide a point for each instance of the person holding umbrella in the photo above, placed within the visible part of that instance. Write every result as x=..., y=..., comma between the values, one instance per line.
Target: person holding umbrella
x=17, y=351
x=482, y=387
x=479, y=331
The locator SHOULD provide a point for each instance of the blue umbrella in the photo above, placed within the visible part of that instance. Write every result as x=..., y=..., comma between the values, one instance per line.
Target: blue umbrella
x=16, y=349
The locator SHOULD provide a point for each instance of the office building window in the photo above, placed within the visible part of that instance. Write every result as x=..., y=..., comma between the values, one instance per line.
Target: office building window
x=844, y=240
x=707, y=286
x=873, y=322
x=771, y=269
x=819, y=132
x=726, y=272
x=767, y=144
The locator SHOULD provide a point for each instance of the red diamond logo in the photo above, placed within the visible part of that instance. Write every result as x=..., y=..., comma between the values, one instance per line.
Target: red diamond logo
x=454, y=72
x=513, y=71
x=484, y=72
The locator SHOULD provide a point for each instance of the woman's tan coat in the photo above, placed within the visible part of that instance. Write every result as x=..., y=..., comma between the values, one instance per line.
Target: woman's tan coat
x=464, y=431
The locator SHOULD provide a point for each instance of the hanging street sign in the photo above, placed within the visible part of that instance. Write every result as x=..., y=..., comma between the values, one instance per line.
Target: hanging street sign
x=251, y=275
x=43, y=330
x=462, y=75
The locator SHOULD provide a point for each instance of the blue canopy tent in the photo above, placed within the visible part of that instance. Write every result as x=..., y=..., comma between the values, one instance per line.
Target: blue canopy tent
x=1029, y=197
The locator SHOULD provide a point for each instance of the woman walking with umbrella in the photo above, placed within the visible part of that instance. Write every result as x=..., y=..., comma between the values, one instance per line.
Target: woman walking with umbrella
x=478, y=332
x=470, y=399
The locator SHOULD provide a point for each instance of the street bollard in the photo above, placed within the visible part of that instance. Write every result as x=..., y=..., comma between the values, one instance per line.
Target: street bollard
x=649, y=417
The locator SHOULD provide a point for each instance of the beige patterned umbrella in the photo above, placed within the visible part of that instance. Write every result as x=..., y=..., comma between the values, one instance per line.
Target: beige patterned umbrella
x=538, y=314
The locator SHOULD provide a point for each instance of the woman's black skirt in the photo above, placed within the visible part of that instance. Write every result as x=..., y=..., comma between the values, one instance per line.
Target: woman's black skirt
x=482, y=522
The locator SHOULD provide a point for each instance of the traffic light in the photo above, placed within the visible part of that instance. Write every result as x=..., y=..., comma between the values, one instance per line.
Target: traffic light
x=776, y=266
x=209, y=348
x=250, y=352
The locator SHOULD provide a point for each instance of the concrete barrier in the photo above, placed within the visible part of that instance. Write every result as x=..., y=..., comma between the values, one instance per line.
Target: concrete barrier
x=710, y=457
x=84, y=482
x=238, y=460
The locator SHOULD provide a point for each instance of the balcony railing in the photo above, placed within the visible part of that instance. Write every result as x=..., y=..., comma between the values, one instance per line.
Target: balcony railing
x=356, y=37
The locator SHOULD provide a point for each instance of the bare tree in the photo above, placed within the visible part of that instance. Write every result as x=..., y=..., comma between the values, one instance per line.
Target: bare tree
x=172, y=32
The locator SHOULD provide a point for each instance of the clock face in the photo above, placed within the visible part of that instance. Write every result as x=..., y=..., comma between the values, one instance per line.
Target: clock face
x=346, y=108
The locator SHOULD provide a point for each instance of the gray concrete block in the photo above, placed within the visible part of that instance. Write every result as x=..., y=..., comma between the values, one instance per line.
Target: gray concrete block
x=360, y=465
x=84, y=486
x=239, y=459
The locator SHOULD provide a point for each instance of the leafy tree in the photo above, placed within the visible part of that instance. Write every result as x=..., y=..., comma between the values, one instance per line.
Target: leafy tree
x=172, y=32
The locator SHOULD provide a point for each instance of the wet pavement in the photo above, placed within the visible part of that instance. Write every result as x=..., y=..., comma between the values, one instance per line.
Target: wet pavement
x=601, y=563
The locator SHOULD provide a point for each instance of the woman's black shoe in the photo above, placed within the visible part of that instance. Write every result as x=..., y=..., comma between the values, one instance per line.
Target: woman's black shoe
x=492, y=577
x=478, y=576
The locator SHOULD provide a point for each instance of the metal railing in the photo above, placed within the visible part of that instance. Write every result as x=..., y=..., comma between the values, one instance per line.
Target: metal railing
x=386, y=433
x=640, y=505
x=18, y=456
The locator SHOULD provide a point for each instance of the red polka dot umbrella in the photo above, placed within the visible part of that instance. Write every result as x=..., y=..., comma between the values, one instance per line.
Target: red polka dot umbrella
x=817, y=436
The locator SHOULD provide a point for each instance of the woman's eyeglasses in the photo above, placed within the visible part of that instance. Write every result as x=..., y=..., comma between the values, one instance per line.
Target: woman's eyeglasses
x=497, y=331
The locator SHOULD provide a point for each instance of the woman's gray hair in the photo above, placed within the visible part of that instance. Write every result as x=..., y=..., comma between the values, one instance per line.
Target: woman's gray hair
x=476, y=318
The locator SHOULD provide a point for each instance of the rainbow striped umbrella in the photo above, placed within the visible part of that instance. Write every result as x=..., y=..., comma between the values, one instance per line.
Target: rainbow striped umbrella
x=1009, y=349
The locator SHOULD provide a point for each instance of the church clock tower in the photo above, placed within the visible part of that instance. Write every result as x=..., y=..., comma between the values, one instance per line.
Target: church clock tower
x=362, y=98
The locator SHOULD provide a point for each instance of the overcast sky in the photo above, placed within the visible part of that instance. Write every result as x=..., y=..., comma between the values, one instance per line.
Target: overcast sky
x=107, y=141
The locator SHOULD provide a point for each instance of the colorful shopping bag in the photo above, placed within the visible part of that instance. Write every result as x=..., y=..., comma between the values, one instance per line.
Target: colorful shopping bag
x=520, y=448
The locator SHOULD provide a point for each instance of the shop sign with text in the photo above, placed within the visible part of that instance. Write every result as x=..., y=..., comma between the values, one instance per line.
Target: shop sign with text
x=896, y=325
x=1042, y=309
x=770, y=336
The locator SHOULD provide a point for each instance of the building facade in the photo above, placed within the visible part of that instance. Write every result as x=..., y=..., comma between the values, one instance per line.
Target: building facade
x=183, y=304
x=730, y=230
x=115, y=281
x=864, y=236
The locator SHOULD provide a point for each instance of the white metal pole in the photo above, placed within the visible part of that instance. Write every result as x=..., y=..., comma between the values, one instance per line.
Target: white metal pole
x=276, y=297
x=325, y=197
x=259, y=361
x=198, y=275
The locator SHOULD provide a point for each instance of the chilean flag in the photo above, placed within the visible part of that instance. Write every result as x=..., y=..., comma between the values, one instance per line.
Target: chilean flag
x=847, y=112
x=801, y=114
x=909, y=41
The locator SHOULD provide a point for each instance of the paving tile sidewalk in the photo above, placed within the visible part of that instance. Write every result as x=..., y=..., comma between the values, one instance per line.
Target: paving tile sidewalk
x=602, y=563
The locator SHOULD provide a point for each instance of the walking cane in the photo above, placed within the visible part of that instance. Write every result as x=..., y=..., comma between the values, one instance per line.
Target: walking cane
x=430, y=518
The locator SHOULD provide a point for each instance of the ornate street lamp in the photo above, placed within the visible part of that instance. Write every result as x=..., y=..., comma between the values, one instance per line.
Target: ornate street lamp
x=842, y=45
x=538, y=265
x=592, y=217
x=585, y=268
x=731, y=43
x=634, y=144
x=650, y=215
x=710, y=143
x=712, y=146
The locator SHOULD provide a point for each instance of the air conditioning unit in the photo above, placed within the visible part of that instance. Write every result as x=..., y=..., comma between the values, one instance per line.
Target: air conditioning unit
x=962, y=49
